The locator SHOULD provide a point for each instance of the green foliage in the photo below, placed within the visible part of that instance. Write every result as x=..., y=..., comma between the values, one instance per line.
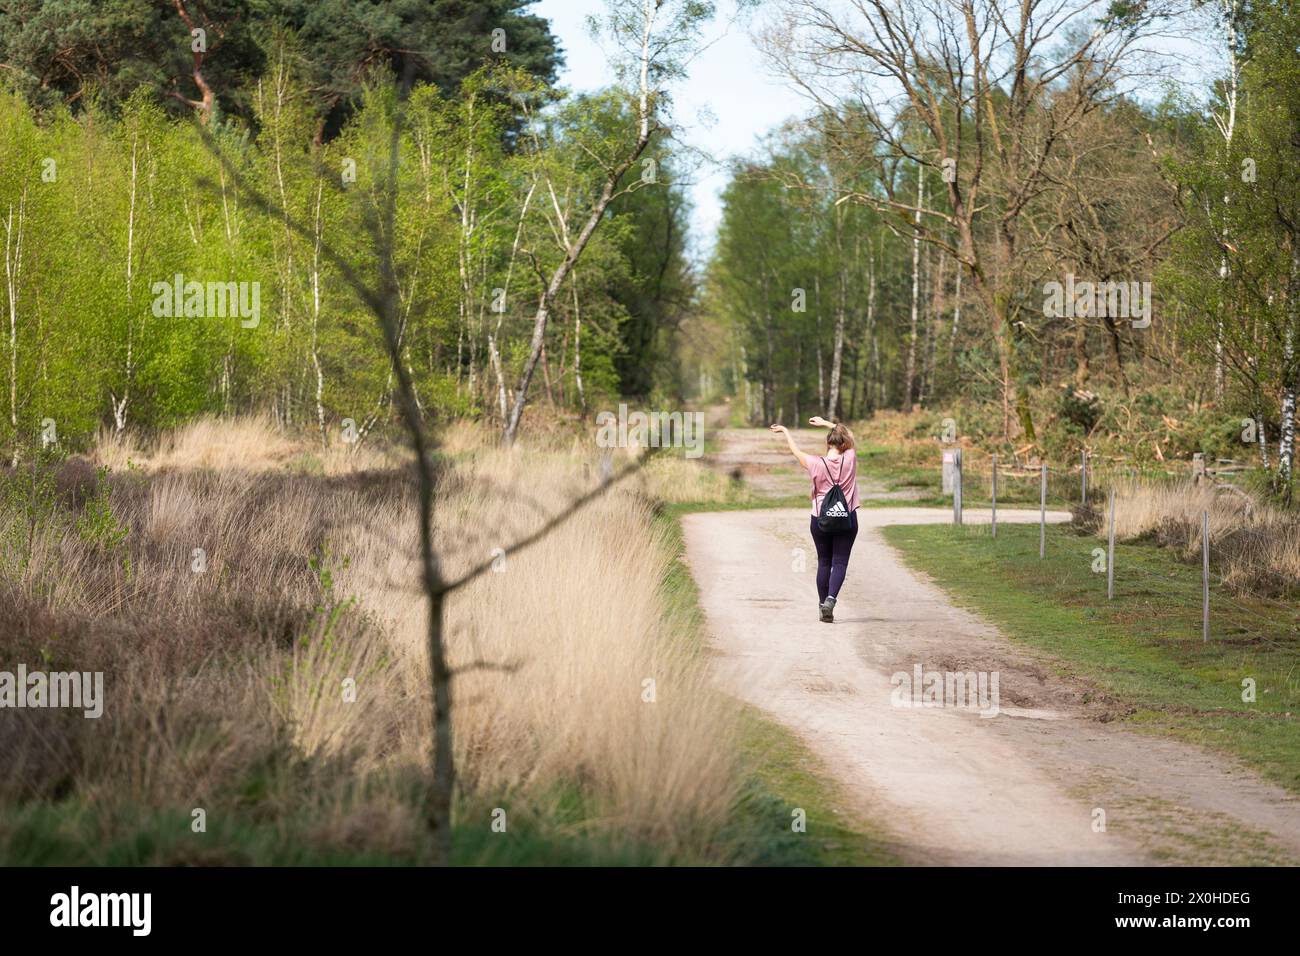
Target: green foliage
x=790, y=263
x=103, y=213
x=77, y=52
x=82, y=53
x=97, y=524
x=30, y=499
x=658, y=290
x=1234, y=270
x=1082, y=408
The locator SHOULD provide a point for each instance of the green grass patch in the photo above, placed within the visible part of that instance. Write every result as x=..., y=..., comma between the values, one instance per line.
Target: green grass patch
x=78, y=833
x=785, y=776
x=1144, y=648
x=892, y=468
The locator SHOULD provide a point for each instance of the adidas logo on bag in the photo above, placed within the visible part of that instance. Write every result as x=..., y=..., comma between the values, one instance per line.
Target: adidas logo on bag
x=837, y=510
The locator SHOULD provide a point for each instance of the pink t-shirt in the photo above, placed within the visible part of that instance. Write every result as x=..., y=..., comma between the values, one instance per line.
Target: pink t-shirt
x=827, y=471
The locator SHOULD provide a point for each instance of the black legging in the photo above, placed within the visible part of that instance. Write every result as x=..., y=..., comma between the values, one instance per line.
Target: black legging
x=833, y=549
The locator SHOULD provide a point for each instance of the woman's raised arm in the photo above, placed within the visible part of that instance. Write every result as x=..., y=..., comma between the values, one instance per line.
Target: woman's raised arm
x=794, y=449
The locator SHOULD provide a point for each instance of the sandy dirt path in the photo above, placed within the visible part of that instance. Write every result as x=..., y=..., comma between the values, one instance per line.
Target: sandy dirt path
x=953, y=787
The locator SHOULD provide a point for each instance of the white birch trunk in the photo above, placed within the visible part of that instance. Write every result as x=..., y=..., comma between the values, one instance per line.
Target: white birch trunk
x=910, y=376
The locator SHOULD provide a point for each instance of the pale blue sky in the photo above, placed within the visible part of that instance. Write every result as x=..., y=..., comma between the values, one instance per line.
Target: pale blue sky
x=727, y=104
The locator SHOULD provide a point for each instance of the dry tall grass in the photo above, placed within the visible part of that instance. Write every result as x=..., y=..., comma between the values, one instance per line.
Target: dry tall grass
x=1254, y=545
x=676, y=480
x=293, y=665
x=243, y=444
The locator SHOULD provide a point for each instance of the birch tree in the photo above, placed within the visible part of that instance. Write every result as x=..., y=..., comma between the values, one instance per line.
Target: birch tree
x=654, y=40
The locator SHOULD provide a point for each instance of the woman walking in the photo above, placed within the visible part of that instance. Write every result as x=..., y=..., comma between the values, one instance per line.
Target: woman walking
x=834, y=522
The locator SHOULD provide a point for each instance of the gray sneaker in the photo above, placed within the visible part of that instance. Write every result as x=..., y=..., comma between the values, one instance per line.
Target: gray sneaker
x=827, y=608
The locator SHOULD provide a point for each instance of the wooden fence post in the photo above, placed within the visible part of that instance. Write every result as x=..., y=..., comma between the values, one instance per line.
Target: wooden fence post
x=1083, y=477
x=1042, y=517
x=1110, y=552
x=1205, y=576
x=995, y=496
x=957, y=489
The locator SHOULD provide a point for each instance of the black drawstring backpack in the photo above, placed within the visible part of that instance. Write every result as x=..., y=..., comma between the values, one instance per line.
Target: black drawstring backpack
x=835, y=507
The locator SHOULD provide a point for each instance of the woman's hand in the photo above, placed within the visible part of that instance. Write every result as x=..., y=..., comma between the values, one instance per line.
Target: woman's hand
x=778, y=428
x=818, y=422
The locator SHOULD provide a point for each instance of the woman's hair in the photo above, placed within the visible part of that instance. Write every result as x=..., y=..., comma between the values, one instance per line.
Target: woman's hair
x=839, y=437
